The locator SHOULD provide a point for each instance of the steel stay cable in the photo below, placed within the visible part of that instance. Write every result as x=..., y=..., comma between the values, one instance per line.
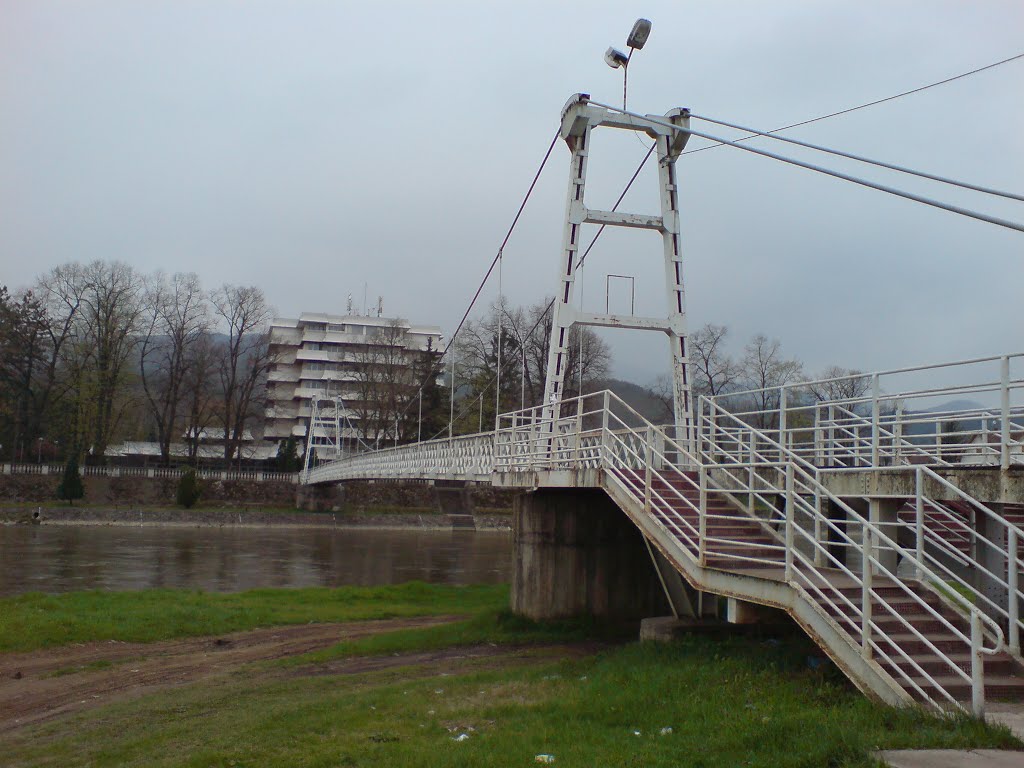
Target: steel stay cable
x=436, y=365
x=723, y=142
x=826, y=171
x=862, y=159
x=871, y=103
x=579, y=265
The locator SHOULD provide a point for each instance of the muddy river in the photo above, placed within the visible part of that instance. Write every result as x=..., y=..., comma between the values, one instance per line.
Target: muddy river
x=58, y=558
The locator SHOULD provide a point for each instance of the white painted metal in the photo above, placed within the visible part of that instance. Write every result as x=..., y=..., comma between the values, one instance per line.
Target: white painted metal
x=901, y=416
x=665, y=486
x=579, y=119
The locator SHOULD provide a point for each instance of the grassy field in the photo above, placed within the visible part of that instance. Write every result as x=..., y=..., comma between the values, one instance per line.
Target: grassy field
x=35, y=620
x=699, y=702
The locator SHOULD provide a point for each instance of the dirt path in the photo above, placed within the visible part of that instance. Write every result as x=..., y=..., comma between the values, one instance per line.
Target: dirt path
x=41, y=685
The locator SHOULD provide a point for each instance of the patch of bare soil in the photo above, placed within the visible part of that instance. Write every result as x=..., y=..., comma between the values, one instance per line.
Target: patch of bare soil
x=446, y=659
x=42, y=685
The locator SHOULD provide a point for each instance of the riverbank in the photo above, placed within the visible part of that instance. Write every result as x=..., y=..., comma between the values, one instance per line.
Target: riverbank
x=449, y=679
x=245, y=517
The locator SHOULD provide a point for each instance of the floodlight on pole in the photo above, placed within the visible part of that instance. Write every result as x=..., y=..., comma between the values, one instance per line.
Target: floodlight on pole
x=615, y=58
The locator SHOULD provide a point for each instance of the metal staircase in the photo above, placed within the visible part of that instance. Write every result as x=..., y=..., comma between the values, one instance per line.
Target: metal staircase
x=924, y=607
x=746, y=518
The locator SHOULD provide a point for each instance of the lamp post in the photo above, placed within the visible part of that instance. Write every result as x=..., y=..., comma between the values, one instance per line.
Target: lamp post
x=615, y=58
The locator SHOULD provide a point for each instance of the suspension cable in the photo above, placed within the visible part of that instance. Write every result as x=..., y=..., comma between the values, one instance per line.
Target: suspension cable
x=870, y=103
x=437, y=365
x=718, y=143
x=862, y=159
x=826, y=171
x=579, y=264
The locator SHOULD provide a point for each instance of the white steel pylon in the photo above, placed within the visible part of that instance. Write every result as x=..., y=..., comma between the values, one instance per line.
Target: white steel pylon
x=579, y=118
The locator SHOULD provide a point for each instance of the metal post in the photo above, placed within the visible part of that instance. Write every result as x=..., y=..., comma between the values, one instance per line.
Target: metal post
x=1004, y=432
x=790, y=518
x=782, y=421
x=977, y=666
x=451, y=399
x=867, y=544
x=819, y=530
x=751, y=472
x=897, y=432
x=875, y=415
x=419, y=419
x=1012, y=577
x=605, y=410
x=702, y=520
x=831, y=435
x=579, y=427
x=647, y=469
x=919, y=518
x=817, y=436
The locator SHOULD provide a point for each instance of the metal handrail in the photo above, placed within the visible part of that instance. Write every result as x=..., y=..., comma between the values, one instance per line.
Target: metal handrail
x=872, y=534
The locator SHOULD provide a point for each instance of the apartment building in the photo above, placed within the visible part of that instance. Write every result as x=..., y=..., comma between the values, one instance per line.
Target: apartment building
x=336, y=356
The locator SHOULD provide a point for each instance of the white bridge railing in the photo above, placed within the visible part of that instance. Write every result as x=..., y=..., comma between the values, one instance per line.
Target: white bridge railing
x=173, y=473
x=970, y=412
x=671, y=482
x=470, y=457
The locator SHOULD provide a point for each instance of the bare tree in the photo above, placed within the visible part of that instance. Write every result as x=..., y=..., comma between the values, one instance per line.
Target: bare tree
x=102, y=329
x=836, y=383
x=765, y=370
x=244, y=358
x=523, y=355
x=386, y=381
x=714, y=370
x=177, y=318
x=199, y=392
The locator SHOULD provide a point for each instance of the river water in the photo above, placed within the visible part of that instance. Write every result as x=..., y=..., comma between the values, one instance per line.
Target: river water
x=59, y=558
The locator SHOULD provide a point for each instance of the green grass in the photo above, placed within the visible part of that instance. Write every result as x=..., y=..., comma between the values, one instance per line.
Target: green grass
x=91, y=666
x=731, y=702
x=35, y=620
x=496, y=626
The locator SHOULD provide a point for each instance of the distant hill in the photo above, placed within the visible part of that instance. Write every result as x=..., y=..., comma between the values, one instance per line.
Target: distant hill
x=639, y=398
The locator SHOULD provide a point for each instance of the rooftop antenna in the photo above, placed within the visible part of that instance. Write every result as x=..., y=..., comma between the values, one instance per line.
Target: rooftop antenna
x=348, y=306
x=380, y=306
x=364, y=300
x=615, y=58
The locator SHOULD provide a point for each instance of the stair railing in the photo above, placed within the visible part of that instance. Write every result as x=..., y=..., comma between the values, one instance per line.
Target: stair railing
x=658, y=473
x=812, y=564
x=994, y=556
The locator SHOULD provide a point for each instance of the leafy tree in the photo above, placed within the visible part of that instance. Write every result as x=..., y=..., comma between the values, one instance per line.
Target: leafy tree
x=71, y=487
x=188, y=489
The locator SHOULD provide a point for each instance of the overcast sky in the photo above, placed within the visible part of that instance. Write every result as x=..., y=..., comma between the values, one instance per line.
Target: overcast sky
x=314, y=147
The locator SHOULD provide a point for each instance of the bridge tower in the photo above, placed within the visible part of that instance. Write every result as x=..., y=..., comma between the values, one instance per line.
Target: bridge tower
x=579, y=118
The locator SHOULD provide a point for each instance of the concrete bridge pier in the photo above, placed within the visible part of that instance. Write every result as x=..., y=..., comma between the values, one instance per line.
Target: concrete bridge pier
x=577, y=554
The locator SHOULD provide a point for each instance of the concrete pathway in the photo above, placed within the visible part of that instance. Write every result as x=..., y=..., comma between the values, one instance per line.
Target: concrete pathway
x=1010, y=715
x=952, y=758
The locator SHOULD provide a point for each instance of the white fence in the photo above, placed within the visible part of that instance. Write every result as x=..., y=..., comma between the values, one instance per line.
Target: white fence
x=970, y=412
x=253, y=476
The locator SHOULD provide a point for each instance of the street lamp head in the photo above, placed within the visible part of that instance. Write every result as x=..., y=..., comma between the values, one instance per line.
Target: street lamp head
x=639, y=34
x=615, y=59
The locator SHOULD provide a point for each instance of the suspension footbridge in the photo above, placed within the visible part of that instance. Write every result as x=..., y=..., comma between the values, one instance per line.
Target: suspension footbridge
x=886, y=524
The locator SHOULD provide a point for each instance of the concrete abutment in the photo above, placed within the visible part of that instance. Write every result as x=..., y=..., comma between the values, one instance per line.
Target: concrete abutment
x=577, y=554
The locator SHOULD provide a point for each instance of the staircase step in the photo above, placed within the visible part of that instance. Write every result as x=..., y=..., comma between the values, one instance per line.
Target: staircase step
x=1002, y=664
x=997, y=687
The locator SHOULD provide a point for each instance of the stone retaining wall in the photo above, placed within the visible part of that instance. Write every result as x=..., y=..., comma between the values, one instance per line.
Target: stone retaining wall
x=119, y=491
